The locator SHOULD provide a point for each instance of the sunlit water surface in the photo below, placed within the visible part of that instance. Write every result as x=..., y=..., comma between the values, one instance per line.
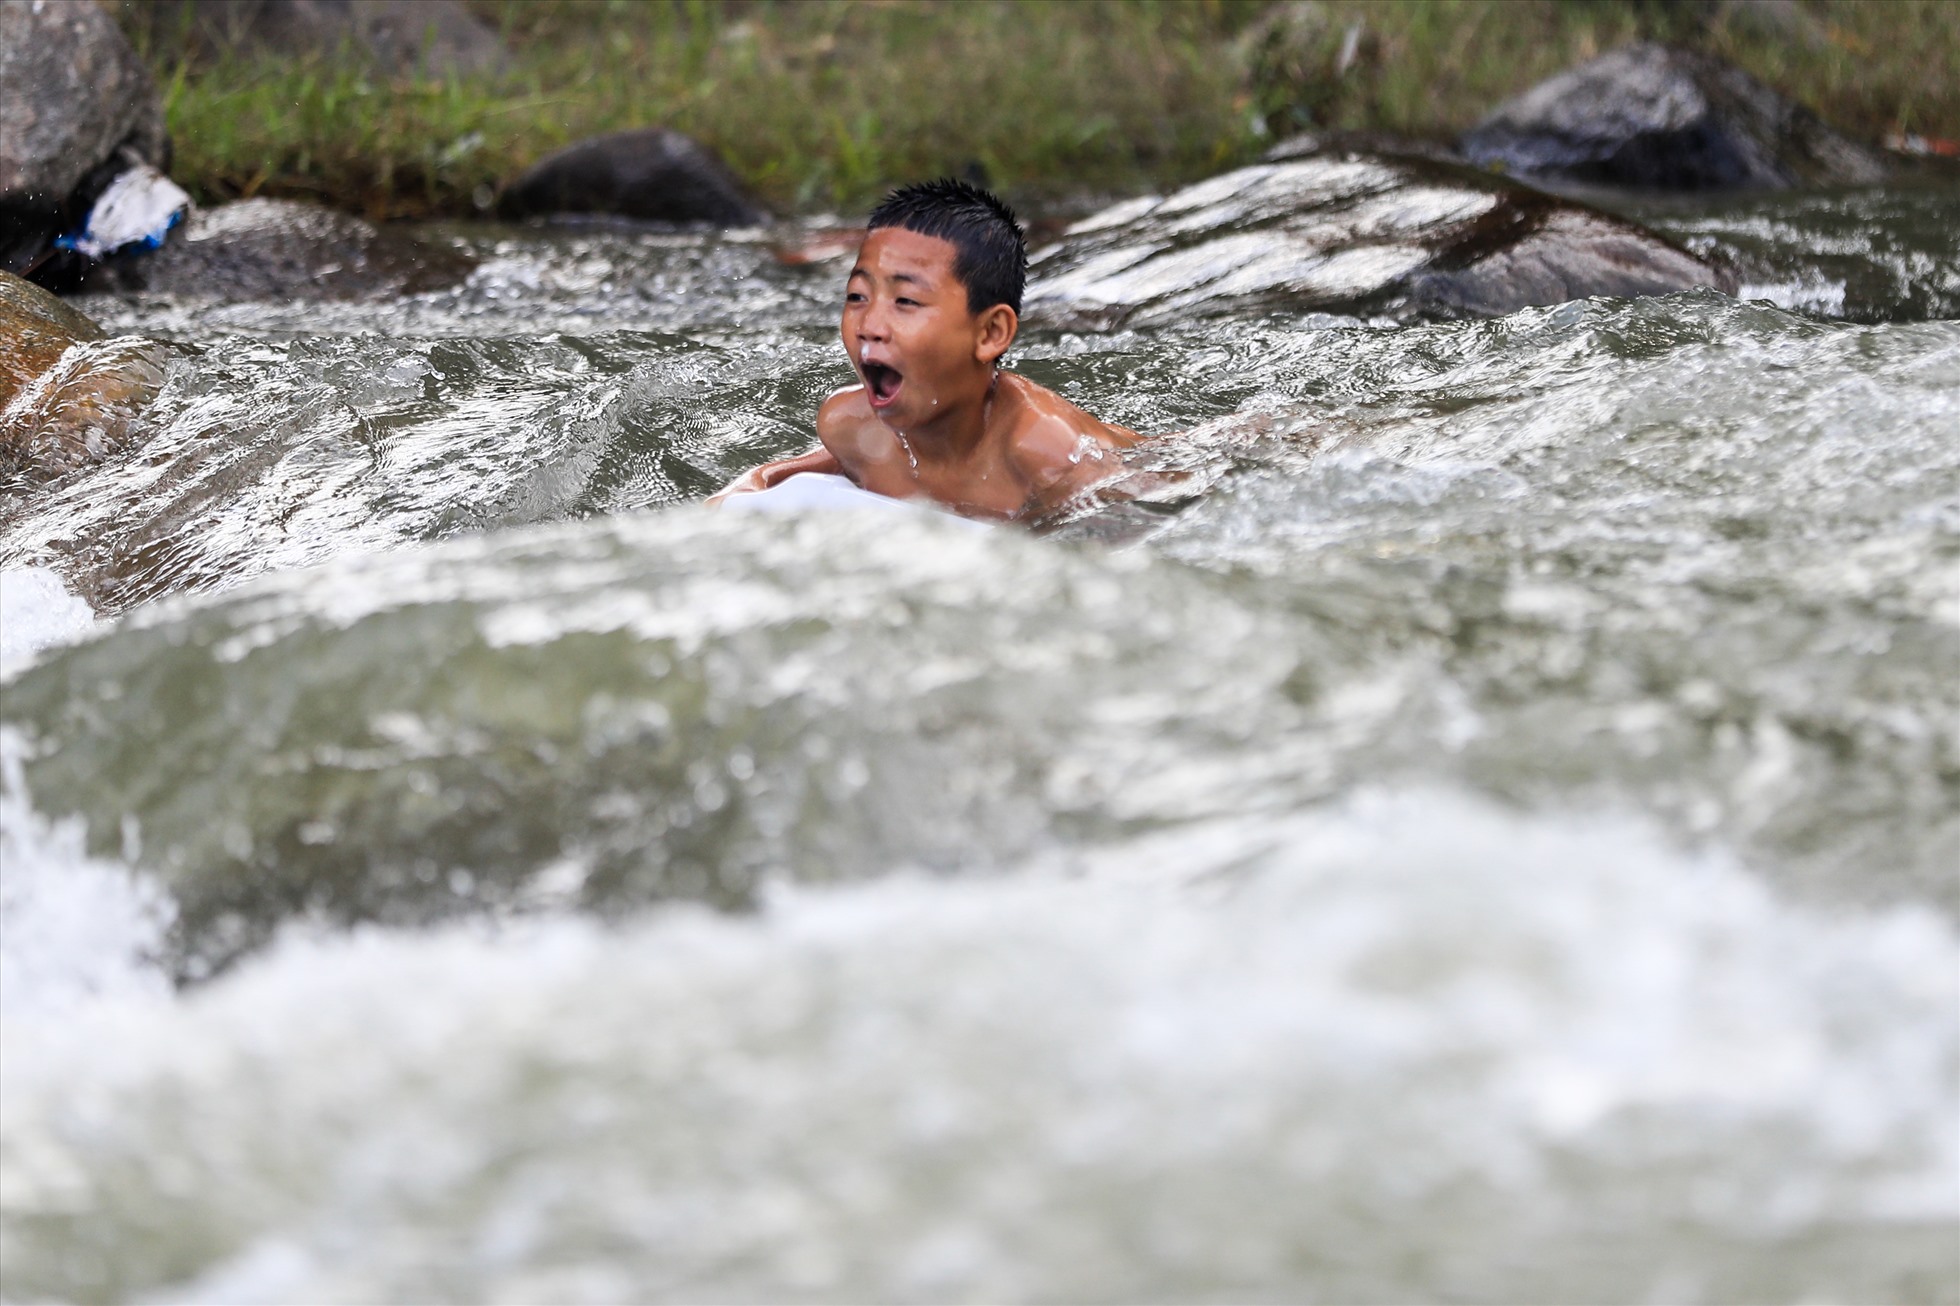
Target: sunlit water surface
x=1488, y=830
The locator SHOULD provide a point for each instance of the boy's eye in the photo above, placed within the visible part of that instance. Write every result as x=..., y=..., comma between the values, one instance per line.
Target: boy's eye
x=913, y=302
x=853, y=297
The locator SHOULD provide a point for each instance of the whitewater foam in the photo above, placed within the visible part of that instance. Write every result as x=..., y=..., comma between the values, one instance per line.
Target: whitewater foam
x=1410, y=1047
x=74, y=928
x=37, y=611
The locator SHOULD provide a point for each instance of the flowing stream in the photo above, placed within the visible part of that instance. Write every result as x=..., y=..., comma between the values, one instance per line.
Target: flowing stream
x=1489, y=830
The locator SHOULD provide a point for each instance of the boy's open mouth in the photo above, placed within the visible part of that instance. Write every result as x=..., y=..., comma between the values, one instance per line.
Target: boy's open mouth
x=881, y=383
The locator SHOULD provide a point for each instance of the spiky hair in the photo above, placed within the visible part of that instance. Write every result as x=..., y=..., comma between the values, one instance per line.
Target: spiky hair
x=991, y=258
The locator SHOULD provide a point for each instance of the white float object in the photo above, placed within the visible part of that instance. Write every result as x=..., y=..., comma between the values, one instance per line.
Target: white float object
x=823, y=492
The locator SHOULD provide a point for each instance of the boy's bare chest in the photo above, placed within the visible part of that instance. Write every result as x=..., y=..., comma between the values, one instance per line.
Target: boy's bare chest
x=984, y=484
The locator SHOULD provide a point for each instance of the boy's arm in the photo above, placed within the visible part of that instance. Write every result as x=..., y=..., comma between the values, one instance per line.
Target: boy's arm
x=769, y=474
x=839, y=419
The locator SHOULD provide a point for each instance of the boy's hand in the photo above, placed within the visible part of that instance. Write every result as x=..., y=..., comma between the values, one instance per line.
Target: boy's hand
x=761, y=478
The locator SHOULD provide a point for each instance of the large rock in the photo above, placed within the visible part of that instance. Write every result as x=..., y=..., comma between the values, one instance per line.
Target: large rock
x=653, y=174
x=35, y=330
x=76, y=107
x=1653, y=117
x=431, y=37
x=1401, y=237
x=67, y=396
x=280, y=249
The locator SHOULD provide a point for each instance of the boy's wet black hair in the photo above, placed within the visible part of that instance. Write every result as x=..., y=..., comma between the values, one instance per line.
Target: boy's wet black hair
x=992, y=257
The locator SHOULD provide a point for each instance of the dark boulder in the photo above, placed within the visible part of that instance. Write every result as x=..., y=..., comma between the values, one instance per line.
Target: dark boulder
x=1399, y=237
x=1549, y=252
x=77, y=106
x=652, y=174
x=1653, y=117
x=431, y=37
x=280, y=249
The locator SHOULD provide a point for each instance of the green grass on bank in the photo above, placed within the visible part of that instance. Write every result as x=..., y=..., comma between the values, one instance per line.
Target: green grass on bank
x=821, y=104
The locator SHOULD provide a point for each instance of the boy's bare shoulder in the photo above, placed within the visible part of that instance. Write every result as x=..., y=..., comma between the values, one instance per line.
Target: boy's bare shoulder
x=864, y=448
x=1055, y=445
x=843, y=422
x=848, y=404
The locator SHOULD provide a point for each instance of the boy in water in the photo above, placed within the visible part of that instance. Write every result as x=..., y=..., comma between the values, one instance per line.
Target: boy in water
x=932, y=304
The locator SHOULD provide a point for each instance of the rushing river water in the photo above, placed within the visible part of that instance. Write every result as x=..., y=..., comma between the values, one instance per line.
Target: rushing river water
x=1490, y=832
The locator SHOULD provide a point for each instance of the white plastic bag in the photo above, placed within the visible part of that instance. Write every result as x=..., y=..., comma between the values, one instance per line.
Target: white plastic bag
x=139, y=208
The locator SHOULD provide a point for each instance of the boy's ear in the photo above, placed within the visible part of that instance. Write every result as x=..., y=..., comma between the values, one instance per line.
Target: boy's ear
x=997, y=328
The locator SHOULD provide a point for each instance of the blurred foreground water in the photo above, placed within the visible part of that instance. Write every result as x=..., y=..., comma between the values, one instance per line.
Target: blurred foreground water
x=1493, y=834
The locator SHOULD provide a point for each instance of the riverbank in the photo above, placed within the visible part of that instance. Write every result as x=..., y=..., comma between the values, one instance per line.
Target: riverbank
x=819, y=106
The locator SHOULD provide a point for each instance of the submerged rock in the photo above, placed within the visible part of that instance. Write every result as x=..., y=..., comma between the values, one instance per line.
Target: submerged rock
x=653, y=174
x=77, y=106
x=67, y=396
x=278, y=249
x=1399, y=237
x=1654, y=117
x=432, y=37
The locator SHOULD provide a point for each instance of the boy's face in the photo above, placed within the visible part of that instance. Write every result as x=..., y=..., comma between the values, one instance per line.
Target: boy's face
x=919, y=351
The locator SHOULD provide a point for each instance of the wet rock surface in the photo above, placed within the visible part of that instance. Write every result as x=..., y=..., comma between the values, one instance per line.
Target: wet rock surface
x=1653, y=117
x=431, y=37
x=269, y=249
x=654, y=175
x=67, y=396
x=77, y=106
x=35, y=330
x=1397, y=237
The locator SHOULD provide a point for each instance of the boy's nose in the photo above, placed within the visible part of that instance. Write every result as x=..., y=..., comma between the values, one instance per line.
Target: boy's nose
x=873, y=323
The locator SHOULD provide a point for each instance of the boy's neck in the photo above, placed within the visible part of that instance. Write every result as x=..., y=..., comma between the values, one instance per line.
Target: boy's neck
x=953, y=437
